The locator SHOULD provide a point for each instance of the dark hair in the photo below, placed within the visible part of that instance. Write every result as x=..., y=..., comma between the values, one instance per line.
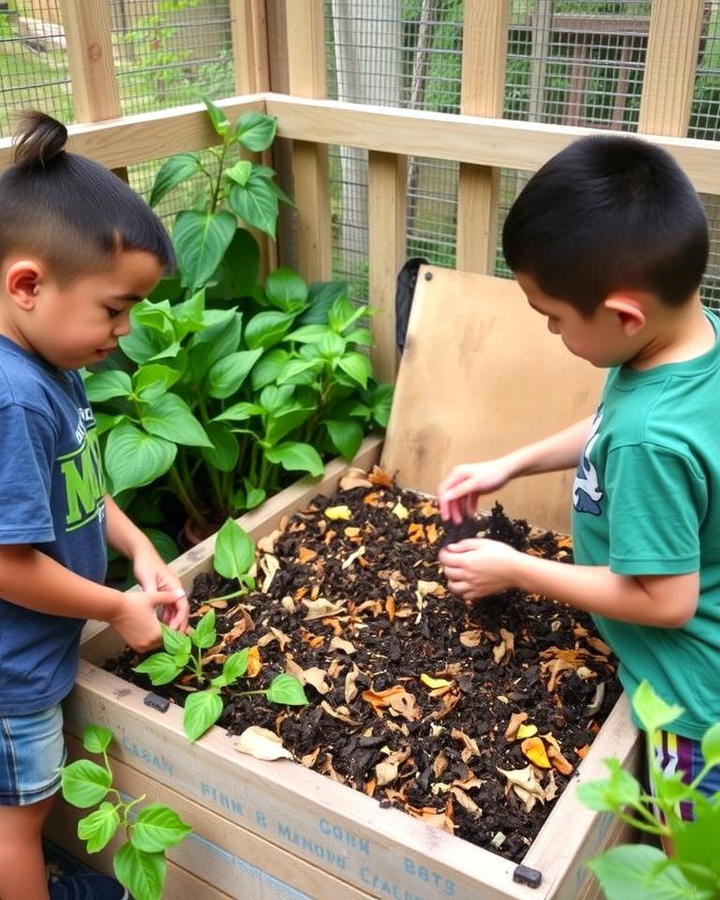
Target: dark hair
x=604, y=214
x=72, y=212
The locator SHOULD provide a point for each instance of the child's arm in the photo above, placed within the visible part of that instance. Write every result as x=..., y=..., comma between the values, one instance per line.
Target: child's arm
x=458, y=494
x=475, y=568
x=151, y=571
x=34, y=580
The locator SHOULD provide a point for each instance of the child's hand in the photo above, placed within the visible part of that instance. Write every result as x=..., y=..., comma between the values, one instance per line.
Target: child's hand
x=458, y=494
x=137, y=621
x=153, y=574
x=478, y=567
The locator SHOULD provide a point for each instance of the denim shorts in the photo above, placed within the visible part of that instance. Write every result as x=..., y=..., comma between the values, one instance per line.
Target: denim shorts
x=674, y=753
x=32, y=752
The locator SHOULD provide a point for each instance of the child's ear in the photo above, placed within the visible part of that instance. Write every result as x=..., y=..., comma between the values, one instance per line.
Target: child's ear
x=22, y=279
x=630, y=311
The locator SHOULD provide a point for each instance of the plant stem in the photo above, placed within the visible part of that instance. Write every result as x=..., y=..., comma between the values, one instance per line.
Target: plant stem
x=190, y=507
x=229, y=596
x=221, y=163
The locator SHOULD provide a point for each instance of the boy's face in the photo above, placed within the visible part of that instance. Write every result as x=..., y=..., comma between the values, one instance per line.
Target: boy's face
x=80, y=323
x=600, y=339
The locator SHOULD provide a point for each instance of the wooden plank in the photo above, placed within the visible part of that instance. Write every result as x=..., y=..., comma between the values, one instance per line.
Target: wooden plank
x=227, y=858
x=387, y=211
x=472, y=139
x=485, y=24
x=147, y=136
x=670, y=63
x=90, y=57
x=250, y=46
x=477, y=362
x=305, y=23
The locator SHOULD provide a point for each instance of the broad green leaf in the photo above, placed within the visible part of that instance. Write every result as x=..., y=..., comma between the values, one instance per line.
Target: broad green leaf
x=172, y=173
x=227, y=375
x=380, y=402
x=85, y=783
x=238, y=272
x=256, y=131
x=267, y=328
x=107, y=385
x=235, y=666
x=286, y=689
x=157, y=316
x=214, y=342
x=613, y=793
x=286, y=290
x=310, y=334
x=321, y=297
x=296, y=457
x=223, y=455
x=638, y=870
x=99, y=827
x=163, y=543
x=652, y=710
x=281, y=423
x=268, y=368
x=203, y=635
x=711, y=745
x=239, y=172
x=201, y=240
x=157, y=828
x=234, y=551
x=330, y=345
x=357, y=366
x=177, y=644
x=97, y=739
x=343, y=314
x=105, y=422
x=134, y=458
x=346, y=436
x=256, y=204
x=202, y=710
x=239, y=412
x=153, y=380
x=254, y=496
x=696, y=843
x=275, y=398
x=188, y=317
x=300, y=371
x=144, y=343
x=161, y=668
x=218, y=118
x=362, y=336
x=170, y=417
x=143, y=874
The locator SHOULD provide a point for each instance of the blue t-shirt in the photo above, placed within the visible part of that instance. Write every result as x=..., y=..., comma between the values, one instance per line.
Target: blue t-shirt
x=51, y=496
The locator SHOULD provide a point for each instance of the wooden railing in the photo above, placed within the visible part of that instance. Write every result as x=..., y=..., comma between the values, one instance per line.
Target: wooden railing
x=480, y=141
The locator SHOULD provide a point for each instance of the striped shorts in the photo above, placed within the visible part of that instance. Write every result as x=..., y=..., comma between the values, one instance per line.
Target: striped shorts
x=674, y=753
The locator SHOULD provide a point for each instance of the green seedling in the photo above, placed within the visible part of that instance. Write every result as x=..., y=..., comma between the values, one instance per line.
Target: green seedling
x=640, y=870
x=139, y=863
x=234, y=558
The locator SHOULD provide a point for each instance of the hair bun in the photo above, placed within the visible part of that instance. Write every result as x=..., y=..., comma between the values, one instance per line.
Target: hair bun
x=39, y=139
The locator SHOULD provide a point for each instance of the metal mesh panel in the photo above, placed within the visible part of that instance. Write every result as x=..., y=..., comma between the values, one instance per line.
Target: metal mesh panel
x=705, y=112
x=576, y=63
x=171, y=52
x=33, y=62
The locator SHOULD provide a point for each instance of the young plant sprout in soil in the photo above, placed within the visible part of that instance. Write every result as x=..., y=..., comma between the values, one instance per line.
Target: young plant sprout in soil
x=472, y=717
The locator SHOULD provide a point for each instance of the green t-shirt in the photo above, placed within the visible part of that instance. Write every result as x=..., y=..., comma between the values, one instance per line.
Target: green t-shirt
x=646, y=501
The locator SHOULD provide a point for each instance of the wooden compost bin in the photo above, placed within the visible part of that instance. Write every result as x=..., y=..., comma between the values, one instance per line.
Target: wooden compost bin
x=480, y=374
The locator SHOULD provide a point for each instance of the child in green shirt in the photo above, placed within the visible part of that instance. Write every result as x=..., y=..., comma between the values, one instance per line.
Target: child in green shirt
x=609, y=243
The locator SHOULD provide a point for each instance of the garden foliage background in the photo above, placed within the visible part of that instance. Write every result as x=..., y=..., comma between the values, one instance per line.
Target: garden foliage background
x=570, y=62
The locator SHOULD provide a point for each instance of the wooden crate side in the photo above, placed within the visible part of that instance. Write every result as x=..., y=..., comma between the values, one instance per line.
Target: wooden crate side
x=341, y=831
x=227, y=857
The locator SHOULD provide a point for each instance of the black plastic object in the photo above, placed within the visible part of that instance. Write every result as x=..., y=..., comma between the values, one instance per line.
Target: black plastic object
x=528, y=876
x=156, y=702
x=404, y=291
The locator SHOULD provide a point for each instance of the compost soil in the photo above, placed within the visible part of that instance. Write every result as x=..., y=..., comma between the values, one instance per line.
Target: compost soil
x=415, y=695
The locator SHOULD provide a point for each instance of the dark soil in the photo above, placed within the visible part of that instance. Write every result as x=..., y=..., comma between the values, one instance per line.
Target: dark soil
x=438, y=739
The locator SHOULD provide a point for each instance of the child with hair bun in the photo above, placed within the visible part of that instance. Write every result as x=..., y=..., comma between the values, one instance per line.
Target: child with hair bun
x=77, y=249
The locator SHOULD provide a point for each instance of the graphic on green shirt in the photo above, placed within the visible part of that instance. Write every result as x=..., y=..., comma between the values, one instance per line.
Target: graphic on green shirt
x=586, y=490
x=84, y=481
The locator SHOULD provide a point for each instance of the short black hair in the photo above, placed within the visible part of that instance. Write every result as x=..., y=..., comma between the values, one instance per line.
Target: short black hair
x=69, y=210
x=606, y=213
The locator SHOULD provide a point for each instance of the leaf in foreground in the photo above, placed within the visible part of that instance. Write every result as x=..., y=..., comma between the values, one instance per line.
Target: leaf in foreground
x=143, y=874
x=262, y=744
x=638, y=870
x=99, y=827
x=84, y=783
x=158, y=828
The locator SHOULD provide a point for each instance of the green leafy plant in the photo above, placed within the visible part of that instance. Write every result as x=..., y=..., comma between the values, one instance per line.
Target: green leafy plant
x=641, y=870
x=139, y=863
x=234, y=557
x=230, y=384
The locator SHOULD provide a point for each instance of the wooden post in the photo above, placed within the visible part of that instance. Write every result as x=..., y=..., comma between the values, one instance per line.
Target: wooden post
x=306, y=70
x=483, y=82
x=670, y=67
x=387, y=207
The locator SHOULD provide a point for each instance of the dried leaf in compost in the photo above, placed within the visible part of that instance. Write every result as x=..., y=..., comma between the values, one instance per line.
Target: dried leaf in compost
x=261, y=743
x=317, y=678
x=526, y=731
x=516, y=720
x=266, y=544
x=439, y=764
x=471, y=638
x=254, y=664
x=400, y=511
x=355, y=477
x=599, y=645
x=338, y=643
x=465, y=801
x=390, y=607
x=353, y=556
x=269, y=565
x=326, y=768
x=305, y=554
x=342, y=714
x=525, y=783
x=434, y=682
x=318, y=609
x=534, y=749
x=310, y=759
x=351, y=688
x=416, y=533
x=380, y=478
x=470, y=745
